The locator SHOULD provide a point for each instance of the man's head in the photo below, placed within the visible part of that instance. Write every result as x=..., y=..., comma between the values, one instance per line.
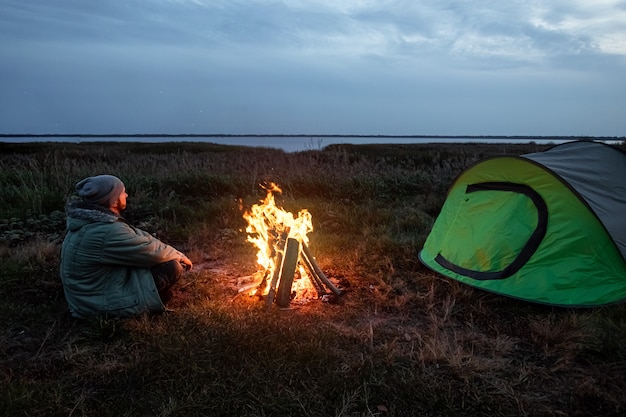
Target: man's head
x=104, y=190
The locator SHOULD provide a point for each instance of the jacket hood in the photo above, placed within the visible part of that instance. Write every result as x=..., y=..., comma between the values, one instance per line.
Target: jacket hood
x=80, y=214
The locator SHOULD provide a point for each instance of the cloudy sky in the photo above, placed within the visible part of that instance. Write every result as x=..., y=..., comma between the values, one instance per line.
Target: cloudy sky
x=390, y=67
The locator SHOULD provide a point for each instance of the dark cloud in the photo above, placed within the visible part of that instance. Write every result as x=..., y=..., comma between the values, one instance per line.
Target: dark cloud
x=393, y=67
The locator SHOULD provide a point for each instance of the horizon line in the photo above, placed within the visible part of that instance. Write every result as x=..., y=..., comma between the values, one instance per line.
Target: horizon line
x=297, y=135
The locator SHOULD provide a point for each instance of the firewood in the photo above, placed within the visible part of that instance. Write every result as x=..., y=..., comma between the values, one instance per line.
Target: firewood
x=272, y=291
x=278, y=260
x=315, y=279
x=287, y=271
x=318, y=271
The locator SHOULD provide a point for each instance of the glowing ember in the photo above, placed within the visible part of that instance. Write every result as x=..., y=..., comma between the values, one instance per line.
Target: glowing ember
x=269, y=227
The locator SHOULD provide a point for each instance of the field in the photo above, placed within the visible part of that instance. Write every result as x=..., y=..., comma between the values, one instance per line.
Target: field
x=400, y=341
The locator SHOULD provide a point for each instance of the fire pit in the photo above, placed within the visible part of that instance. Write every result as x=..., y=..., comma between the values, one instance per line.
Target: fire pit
x=287, y=266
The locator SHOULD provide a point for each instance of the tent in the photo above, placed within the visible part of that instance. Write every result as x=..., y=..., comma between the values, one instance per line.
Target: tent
x=547, y=227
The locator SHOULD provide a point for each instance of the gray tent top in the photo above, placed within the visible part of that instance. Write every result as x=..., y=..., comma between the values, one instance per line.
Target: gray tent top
x=598, y=173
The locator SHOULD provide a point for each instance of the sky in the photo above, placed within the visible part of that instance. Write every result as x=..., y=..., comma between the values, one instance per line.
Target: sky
x=363, y=67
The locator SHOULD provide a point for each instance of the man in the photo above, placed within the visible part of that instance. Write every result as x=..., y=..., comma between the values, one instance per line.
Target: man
x=109, y=267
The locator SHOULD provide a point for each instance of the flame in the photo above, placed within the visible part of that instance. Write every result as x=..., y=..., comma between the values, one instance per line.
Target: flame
x=268, y=228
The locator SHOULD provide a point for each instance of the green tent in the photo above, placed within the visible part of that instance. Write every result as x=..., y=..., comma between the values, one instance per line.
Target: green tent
x=548, y=227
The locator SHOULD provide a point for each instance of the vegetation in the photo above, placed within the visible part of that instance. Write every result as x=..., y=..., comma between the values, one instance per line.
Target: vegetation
x=402, y=341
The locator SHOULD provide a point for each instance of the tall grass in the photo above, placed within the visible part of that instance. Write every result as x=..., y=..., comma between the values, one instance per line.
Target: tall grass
x=400, y=342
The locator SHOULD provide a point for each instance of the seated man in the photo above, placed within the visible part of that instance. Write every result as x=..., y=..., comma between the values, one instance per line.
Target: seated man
x=109, y=267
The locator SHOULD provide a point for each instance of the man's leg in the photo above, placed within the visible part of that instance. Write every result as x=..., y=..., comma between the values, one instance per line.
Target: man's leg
x=165, y=275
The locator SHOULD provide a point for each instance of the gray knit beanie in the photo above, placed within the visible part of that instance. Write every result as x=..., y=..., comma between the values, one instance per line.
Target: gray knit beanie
x=103, y=190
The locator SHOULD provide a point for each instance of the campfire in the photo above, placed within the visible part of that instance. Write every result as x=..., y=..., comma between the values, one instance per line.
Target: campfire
x=288, y=270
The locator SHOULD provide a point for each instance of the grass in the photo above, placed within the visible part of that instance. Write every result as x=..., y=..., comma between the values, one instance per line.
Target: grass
x=402, y=341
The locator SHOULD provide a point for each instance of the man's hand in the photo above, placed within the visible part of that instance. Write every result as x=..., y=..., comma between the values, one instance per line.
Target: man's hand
x=186, y=263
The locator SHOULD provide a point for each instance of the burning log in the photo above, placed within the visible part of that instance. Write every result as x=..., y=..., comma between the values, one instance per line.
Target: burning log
x=287, y=271
x=318, y=272
x=278, y=260
x=315, y=279
x=272, y=291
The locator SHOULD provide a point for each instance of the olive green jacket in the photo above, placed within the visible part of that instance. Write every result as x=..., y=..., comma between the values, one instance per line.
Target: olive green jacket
x=105, y=264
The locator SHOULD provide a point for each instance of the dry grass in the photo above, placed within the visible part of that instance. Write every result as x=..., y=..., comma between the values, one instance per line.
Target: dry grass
x=400, y=342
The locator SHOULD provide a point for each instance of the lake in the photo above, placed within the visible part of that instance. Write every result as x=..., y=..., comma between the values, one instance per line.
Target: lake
x=294, y=143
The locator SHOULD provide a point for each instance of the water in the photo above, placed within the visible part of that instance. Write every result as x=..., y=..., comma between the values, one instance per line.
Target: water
x=292, y=143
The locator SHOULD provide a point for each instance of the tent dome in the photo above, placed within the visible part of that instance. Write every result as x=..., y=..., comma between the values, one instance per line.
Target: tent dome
x=548, y=227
